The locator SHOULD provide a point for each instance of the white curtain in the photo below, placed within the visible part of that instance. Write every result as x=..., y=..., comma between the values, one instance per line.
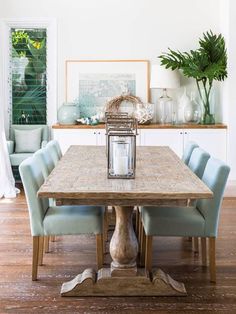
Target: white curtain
x=7, y=181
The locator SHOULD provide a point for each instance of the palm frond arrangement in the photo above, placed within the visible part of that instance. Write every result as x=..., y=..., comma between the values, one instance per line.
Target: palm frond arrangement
x=205, y=64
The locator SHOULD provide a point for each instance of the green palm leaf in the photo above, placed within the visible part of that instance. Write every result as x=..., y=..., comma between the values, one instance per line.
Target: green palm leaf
x=205, y=64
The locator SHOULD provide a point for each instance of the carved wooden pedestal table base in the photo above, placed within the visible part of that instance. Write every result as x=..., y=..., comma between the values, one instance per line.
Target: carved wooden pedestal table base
x=123, y=278
x=90, y=283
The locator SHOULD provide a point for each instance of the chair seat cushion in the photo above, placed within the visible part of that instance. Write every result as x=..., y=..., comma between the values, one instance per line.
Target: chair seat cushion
x=28, y=141
x=173, y=221
x=62, y=220
x=16, y=159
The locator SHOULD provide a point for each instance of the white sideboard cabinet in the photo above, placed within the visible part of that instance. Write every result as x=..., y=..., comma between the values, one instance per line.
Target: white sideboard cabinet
x=72, y=136
x=212, y=138
x=163, y=137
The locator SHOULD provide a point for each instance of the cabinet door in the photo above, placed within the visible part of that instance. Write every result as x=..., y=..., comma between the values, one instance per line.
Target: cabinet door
x=100, y=137
x=166, y=137
x=138, y=138
x=68, y=137
x=214, y=141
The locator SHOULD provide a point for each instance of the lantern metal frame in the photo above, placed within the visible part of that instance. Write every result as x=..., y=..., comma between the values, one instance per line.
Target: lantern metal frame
x=120, y=125
x=122, y=133
x=117, y=121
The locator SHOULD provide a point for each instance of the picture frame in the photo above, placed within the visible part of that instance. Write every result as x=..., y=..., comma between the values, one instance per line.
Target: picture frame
x=91, y=83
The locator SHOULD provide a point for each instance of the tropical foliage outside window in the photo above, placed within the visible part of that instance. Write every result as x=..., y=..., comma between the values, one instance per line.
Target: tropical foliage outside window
x=28, y=76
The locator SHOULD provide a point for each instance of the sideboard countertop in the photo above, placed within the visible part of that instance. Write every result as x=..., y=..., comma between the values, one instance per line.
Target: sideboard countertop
x=145, y=126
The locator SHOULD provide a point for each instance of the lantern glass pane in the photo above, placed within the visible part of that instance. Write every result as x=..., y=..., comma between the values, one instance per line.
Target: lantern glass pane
x=121, y=157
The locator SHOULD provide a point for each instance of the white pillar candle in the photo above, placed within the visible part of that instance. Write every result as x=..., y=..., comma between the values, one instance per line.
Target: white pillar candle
x=120, y=159
x=121, y=165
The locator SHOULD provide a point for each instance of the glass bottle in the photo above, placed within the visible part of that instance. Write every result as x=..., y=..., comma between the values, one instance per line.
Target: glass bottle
x=165, y=103
x=192, y=111
x=183, y=102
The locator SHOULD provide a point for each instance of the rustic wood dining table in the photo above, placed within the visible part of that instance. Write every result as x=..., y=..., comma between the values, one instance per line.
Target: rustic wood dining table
x=80, y=177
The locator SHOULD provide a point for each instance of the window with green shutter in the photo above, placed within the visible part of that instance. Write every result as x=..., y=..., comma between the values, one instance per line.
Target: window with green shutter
x=28, y=77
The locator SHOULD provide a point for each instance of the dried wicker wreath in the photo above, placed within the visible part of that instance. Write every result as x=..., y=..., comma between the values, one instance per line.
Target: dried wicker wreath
x=141, y=111
x=113, y=105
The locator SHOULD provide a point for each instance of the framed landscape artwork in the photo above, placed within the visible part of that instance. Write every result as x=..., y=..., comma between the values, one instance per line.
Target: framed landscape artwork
x=91, y=83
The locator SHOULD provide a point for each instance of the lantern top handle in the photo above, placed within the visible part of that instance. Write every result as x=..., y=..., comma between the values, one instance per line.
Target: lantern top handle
x=120, y=122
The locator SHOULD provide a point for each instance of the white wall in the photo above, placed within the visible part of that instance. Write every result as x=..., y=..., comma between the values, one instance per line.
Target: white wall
x=119, y=29
x=228, y=26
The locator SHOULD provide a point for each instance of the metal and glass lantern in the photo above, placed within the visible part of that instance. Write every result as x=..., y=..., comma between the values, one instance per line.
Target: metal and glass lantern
x=117, y=122
x=121, y=148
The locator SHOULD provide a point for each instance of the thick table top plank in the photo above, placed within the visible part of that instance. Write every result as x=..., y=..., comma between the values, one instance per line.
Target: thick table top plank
x=81, y=175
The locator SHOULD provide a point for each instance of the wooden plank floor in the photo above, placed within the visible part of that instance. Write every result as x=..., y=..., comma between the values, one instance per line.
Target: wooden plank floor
x=70, y=255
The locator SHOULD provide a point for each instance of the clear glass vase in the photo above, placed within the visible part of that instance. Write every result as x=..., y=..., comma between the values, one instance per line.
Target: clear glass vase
x=207, y=107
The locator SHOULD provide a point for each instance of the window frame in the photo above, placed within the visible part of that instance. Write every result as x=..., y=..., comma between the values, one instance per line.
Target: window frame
x=5, y=27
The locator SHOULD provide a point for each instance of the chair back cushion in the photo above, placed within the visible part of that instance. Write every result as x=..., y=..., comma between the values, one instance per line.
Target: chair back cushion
x=52, y=148
x=45, y=130
x=32, y=179
x=215, y=177
x=198, y=161
x=188, y=151
x=28, y=141
x=45, y=161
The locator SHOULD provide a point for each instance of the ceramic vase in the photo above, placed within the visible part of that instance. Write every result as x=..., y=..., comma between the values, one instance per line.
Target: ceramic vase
x=68, y=113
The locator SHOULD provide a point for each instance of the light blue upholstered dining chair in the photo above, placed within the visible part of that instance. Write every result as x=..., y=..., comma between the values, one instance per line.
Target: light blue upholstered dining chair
x=25, y=139
x=46, y=164
x=198, y=160
x=197, y=164
x=45, y=161
x=54, y=151
x=195, y=221
x=48, y=157
x=188, y=151
x=54, y=220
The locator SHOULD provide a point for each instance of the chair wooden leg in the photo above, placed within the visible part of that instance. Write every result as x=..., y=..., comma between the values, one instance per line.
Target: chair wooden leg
x=46, y=244
x=140, y=225
x=137, y=221
x=212, y=259
x=105, y=229
x=195, y=245
x=188, y=201
x=35, y=257
x=111, y=218
x=107, y=224
x=40, y=254
x=148, y=253
x=203, y=248
x=142, y=247
x=113, y=211
x=99, y=248
x=53, y=238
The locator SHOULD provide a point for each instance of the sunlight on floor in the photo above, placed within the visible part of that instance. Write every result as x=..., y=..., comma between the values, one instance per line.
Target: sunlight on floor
x=7, y=200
